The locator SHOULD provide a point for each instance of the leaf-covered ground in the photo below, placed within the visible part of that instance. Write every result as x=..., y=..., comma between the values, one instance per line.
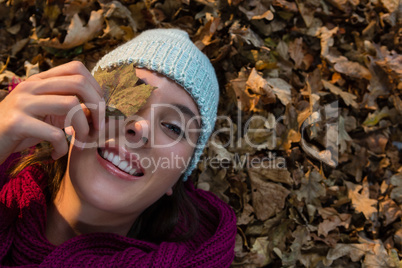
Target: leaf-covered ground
x=321, y=183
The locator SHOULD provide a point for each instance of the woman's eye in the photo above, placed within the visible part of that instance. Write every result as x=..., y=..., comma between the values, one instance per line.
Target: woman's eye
x=175, y=129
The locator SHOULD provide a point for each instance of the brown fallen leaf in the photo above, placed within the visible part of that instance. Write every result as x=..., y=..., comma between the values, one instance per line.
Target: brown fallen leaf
x=352, y=69
x=246, y=34
x=301, y=236
x=311, y=187
x=259, y=12
x=259, y=252
x=332, y=219
x=354, y=251
x=244, y=101
x=347, y=97
x=274, y=174
x=205, y=34
x=261, y=132
x=260, y=86
x=120, y=90
x=246, y=215
x=306, y=11
x=390, y=211
x=391, y=5
x=396, y=193
x=361, y=201
x=75, y=36
x=268, y=197
x=392, y=65
x=115, y=9
x=281, y=88
x=296, y=52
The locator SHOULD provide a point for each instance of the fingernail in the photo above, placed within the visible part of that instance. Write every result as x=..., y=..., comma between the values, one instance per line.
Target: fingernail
x=68, y=131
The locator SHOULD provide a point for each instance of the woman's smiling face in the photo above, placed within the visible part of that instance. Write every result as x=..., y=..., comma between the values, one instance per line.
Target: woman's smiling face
x=160, y=158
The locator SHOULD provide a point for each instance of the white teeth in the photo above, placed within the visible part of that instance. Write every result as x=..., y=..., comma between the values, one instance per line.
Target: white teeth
x=110, y=156
x=121, y=164
x=116, y=160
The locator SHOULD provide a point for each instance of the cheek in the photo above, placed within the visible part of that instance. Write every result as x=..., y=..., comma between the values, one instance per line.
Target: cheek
x=178, y=157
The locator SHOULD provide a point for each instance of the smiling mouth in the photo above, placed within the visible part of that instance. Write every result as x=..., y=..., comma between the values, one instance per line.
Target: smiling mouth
x=123, y=165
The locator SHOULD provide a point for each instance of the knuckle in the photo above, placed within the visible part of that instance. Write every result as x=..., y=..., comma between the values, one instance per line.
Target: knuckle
x=70, y=103
x=80, y=79
x=81, y=82
x=78, y=66
x=57, y=136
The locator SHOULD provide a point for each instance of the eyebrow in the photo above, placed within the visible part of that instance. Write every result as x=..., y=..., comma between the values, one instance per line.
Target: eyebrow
x=185, y=110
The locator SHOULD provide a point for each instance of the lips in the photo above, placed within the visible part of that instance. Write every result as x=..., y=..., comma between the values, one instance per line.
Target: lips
x=120, y=162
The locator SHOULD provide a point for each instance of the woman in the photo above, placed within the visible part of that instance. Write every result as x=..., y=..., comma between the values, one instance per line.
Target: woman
x=88, y=208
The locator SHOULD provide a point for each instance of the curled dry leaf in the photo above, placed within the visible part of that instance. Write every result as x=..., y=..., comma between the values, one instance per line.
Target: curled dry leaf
x=75, y=36
x=332, y=219
x=347, y=97
x=391, y=5
x=392, y=65
x=261, y=87
x=246, y=34
x=281, y=88
x=352, y=69
x=354, y=251
x=390, y=211
x=115, y=9
x=259, y=12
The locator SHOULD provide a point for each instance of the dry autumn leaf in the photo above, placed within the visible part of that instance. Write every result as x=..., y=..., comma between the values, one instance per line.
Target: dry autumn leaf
x=75, y=36
x=122, y=94
x=360, y=201
x=268, y=198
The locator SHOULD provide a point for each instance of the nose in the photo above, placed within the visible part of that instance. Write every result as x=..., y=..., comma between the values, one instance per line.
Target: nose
x=136, y=133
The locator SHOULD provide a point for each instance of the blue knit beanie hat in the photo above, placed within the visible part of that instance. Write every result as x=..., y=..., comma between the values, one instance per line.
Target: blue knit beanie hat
x=171, y=52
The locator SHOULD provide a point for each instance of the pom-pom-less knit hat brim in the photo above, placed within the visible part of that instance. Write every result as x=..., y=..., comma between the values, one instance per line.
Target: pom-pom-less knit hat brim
x=171, y=52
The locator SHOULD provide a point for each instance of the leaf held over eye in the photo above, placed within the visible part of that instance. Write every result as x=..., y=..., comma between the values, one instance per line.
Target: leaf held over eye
x=121, y=91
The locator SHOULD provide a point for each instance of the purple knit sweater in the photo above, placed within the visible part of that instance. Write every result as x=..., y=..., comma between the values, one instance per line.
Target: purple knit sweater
x=23, y=241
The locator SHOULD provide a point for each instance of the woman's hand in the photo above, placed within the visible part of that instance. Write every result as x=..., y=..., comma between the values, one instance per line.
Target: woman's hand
x=37, y=108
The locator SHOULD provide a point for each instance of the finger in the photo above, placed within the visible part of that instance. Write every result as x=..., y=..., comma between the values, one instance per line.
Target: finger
x=71, y=68
x=68, y=109
x=69, y=130
x=35, y=128
x=72, y=85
